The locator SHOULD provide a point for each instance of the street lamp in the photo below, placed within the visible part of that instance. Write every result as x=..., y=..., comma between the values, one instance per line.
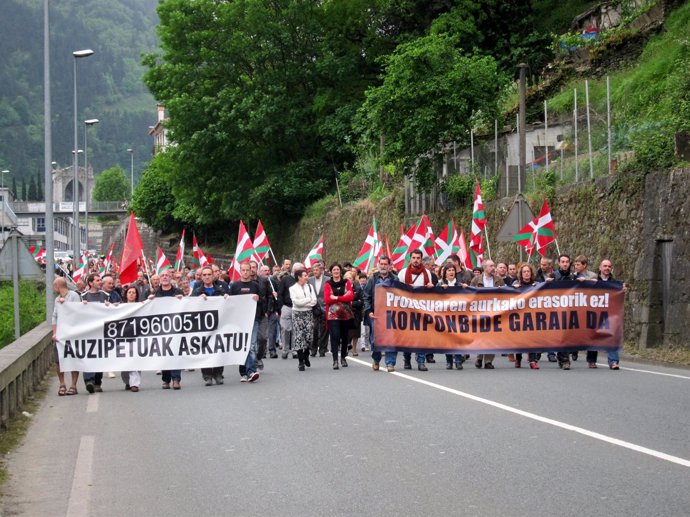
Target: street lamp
x=131, y=155
x=78, y=54
x=2, y=190
x=87, y=123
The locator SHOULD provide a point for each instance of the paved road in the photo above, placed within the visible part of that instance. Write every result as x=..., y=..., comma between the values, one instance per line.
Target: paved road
x=357, y=442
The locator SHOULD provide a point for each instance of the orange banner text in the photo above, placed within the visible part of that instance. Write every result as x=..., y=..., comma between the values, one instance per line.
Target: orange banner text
x=544, y=317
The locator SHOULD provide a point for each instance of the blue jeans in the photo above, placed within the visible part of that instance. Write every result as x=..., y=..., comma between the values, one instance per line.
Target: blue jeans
x=171, y=375
x=457, y=358
x=249, y=367
x=420, y=358
x=375, y=354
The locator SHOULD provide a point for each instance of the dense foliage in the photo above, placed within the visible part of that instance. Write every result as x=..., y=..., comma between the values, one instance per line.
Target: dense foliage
x=110, y=86
x=112, y=185
x=31, y=308
x=263, y=96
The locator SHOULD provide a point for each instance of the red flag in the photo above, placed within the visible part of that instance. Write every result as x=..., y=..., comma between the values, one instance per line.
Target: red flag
x=131, y=253
x=199, y=259
x=315, y=254
x=261, y=244
x=478, y=224
x=179, y=257
x=463, y=253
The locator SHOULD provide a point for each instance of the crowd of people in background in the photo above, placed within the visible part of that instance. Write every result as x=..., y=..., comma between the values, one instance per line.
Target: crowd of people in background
x=301, y=313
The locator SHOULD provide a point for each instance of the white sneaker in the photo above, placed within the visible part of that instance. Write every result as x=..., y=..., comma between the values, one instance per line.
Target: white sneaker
x=111, y=375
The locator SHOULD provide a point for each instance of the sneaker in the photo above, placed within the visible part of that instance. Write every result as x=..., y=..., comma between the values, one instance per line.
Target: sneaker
x=134, y=389
x=343, y=363
x=488, y=366
x=574, y=355
x=260, y=364
x=176, y=385
x=458, y=366
x=166, y=385
x=614, y=366
x=449, y=366
x=243, y=378
x=592, y=365
x=533, y=365
x=284, y=355
x=219, y=379
x=90, y=387
x=363, y=349
x=552, y=357
x=375, y=367
x=274, y=355
x=565, y=365
x=390, y=368
x=209, y=382
x=422, y=367
x=127, y=387
x=159, y=372
x=430, y=358
x=478, y=363
x=408, y=365
x=98, y=388
x=253, y=377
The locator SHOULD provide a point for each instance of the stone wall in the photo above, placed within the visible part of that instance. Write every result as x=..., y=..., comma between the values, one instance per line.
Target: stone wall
x=639, y=222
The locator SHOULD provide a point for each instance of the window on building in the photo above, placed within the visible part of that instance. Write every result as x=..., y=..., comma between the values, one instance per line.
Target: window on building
x=40, y=224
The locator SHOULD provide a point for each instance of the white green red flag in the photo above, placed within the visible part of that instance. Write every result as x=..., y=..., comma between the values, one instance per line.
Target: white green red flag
x=82, y=268
x=243, y=252
x=429, y=246
x=162, y=262
x=261, y=244
x=447, y=243
x=198, y=257
x=538, y=233
x=107, y=262
x=38, y=253
x=399, y=255
x=315, y=254
x=179, y=256
x=478, y=225
x=463, y=254
x=366, y=260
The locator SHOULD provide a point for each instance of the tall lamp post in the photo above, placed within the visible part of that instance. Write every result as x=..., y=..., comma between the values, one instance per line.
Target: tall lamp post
x=131, y=155
x=78, y=54
x=4, y=200
x=87, y=123
x=48, y=164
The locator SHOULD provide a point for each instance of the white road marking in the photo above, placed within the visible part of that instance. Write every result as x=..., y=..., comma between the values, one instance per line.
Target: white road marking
x=78, y=504
x=538, y=418
x=92, y=403
x=648, y=371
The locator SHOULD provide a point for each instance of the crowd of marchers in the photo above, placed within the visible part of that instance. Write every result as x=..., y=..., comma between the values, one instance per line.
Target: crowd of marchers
x=301, y=313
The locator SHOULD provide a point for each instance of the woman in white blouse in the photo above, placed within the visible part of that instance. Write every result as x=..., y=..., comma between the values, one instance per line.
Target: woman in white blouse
x=303, y=299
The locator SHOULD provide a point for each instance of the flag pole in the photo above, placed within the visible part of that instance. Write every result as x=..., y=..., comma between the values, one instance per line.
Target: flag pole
x=272, y=255
x=146, y=266
x=488, y=247
x=558, y=249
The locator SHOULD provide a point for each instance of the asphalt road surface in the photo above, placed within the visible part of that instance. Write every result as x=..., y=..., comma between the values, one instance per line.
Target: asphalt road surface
x=358, y=442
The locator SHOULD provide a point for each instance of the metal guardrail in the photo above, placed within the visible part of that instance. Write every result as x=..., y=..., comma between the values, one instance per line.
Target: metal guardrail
x=24, y=207
x=23, y=365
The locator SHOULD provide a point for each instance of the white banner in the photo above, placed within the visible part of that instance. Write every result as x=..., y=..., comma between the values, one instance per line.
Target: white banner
x=161, y=334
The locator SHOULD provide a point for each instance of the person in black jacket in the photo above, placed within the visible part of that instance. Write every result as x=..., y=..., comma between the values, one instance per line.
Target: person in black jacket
x=382, y=277
x=245, y=285
x=285, y=304
x=209, y=287
x=562, y=274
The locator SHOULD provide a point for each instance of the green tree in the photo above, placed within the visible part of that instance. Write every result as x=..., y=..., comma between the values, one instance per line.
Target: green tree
x=39, y=187
x=153, y=200
x=33, y=190
x=24, y=196
x=111, y=185
x=429, y=95
x=14, y=187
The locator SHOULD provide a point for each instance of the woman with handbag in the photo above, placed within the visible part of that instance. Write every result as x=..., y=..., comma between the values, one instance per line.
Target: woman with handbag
x=338, y=295
x=355, y=331
x=303, y=302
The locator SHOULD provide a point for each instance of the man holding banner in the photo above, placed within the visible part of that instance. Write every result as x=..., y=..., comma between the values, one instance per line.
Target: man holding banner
x=416, y=275
x=382, y=277
x=488, y=278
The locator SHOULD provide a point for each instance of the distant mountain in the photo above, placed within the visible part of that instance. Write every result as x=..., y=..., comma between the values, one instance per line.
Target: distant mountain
x=110, y=82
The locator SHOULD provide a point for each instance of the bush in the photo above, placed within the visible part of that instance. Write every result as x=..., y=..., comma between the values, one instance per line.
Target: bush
x=31, y=308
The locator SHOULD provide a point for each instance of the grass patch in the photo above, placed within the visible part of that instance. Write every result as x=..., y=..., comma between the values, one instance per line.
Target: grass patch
x=673, y=355
x=11, y=437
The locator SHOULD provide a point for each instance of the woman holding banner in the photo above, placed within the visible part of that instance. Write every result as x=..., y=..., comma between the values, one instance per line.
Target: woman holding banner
x=526, y=278
x=303, y=299
x=338, y=295
x=449, y=279
x=132, y=379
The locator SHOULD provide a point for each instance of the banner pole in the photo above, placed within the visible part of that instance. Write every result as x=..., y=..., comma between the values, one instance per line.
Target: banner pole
x=488, y=247
x=558, y=249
